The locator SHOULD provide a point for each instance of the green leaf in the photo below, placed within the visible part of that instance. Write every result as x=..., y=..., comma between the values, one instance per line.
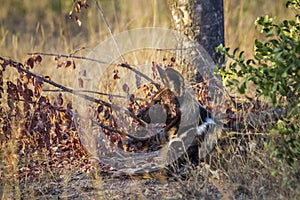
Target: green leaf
x=242, y=88
x=235, y=81
x=284, y=74
x=258, y=44
x=235, y=51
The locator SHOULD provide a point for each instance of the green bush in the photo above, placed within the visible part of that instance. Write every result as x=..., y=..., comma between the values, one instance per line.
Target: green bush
x=274, y=70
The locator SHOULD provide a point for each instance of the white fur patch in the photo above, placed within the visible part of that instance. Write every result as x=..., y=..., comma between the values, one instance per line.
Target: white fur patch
x=203, y=127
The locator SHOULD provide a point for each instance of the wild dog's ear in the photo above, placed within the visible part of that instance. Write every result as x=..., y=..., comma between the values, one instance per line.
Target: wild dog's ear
x=174, y=81
x=161, y=74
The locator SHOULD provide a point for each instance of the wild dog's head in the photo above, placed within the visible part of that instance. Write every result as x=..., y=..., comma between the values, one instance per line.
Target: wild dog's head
x=193, y=114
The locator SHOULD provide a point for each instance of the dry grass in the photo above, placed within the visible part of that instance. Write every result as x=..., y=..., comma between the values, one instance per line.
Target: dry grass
x=240, y=16
x=239, y=167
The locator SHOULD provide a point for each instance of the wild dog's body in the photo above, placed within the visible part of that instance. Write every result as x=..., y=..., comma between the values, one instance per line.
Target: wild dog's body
x=176, y=126
x=186, y=121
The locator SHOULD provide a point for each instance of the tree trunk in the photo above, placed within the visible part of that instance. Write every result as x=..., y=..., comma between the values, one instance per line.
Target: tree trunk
x=202, y=21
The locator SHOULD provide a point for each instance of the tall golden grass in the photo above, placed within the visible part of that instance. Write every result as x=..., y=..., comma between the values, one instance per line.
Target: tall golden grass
x=43, y=26
x=28, y=26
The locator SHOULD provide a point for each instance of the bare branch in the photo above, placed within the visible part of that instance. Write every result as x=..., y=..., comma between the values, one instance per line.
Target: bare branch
x=69, y=56
x=95, y=92
x=125, y=65
x=95, y=123
x=110, y=31
x=19, y=67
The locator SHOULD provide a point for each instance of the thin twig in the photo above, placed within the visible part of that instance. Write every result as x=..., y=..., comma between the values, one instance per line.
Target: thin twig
x=95, y=92
x=69, y=56
x=121, y=132
x=110, y=31
x=76, y=51
x=41, y=103
x=125, y=65
x=19, y=67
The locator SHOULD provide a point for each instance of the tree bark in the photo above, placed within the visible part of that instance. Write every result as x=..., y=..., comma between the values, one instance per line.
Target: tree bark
x=201, y=21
